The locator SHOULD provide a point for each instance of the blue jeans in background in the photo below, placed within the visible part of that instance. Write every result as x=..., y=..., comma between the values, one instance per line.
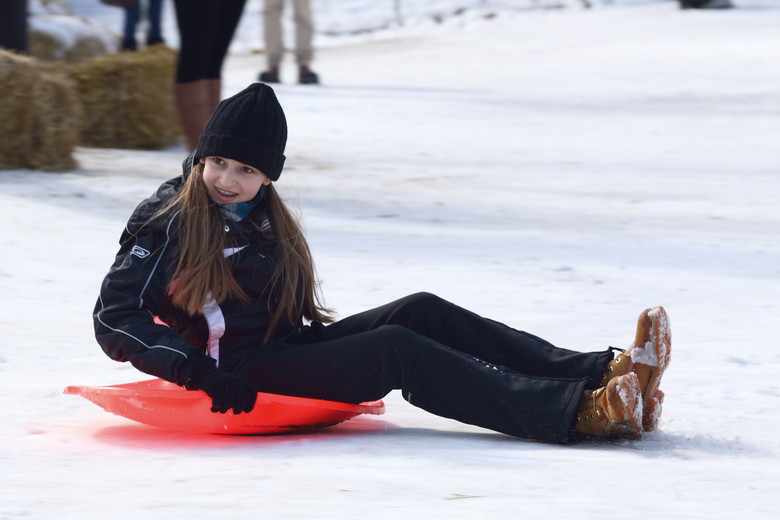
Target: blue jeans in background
x=154, y=28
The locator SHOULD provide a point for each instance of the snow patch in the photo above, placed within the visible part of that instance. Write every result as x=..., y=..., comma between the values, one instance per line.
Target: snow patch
x=69, y=30
x=645, y=354
x=40, y=7
x=631, y=397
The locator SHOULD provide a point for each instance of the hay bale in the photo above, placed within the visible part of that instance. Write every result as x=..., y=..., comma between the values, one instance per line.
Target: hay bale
x=39, y=115
x=128, y=99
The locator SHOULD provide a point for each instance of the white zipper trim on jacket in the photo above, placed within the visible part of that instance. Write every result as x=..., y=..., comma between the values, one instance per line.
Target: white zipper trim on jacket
x=215, y=319
x=102, y=306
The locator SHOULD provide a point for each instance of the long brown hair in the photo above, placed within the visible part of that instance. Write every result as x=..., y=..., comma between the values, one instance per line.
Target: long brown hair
x=202, y=268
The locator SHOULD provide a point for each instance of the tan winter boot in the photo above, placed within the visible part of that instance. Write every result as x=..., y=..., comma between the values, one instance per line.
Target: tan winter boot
x=612, y=411
x=648, y=358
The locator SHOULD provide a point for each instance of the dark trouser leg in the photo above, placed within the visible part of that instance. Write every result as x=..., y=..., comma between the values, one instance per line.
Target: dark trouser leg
x=13, y=25
x=358, y=359
x=368, y=365
x=154, y=16
x=132, y=17
x=465, y=331
x=206, y=29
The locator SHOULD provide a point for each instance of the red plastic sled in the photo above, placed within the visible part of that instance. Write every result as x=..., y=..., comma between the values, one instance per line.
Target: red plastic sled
x=159, y=403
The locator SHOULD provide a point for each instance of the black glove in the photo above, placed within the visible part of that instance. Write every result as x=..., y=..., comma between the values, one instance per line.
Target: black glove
x=225, y=389
x=228, y=391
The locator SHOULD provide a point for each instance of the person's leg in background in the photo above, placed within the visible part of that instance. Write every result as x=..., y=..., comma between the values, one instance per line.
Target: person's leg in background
x=206, y=28
x=154, y=35
x=132, y=16
x=304, y=36
x=273, y=38
x=13, y=25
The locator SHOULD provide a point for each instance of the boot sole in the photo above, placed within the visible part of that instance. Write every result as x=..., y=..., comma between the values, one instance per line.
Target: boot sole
x=651, y=354
x=651, y=414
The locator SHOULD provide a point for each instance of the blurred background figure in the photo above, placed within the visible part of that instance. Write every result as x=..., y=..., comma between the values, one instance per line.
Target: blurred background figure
x=153, y=14
x=206, y=29
x=705, y=4
x=13, y=25
x=274, y=41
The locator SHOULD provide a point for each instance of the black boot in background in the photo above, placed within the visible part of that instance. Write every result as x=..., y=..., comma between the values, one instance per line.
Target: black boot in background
x=705, y=4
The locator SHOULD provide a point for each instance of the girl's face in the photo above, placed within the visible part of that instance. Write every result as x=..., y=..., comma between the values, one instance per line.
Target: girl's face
x=228, y=181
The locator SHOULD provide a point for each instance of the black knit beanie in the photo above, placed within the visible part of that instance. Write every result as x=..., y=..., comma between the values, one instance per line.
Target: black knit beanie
x=249, y=127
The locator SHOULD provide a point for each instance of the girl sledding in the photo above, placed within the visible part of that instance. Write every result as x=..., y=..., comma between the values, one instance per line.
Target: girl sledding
x=216, y=255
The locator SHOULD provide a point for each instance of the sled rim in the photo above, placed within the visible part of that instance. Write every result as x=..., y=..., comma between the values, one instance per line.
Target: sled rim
x=147, y=389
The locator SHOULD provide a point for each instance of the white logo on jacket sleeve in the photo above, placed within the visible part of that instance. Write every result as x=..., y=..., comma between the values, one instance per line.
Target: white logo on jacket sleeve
x=140, y=252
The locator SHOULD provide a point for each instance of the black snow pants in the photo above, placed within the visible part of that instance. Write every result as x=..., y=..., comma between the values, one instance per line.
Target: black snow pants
x=444, y=359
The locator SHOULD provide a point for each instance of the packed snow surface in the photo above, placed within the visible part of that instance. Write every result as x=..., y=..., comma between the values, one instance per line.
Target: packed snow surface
x=558, y=170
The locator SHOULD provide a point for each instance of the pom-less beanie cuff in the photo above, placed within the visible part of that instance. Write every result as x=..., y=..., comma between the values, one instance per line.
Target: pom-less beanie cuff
x=249, y=127
x=266, y=159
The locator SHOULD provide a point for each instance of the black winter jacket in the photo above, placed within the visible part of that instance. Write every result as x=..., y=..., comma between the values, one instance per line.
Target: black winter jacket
x=135, y=292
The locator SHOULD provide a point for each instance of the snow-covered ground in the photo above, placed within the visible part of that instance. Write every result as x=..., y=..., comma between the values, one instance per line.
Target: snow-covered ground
x=558, y=170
